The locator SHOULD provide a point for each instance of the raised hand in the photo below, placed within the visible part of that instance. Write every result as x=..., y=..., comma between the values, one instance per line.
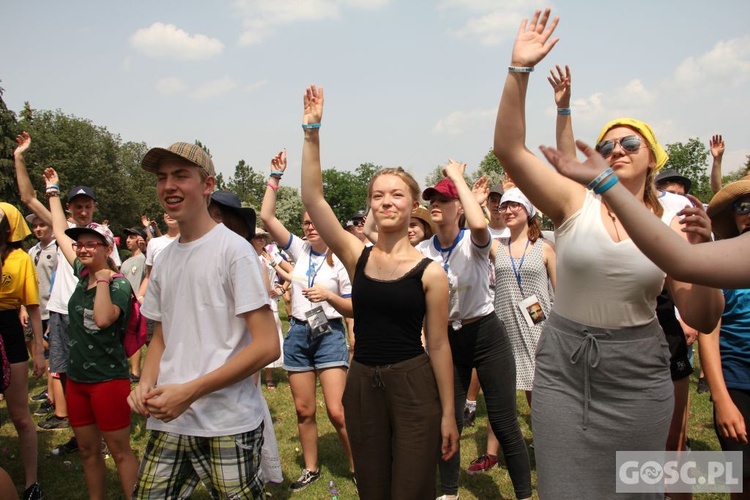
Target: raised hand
x=50, y=177
x=144, y=221
x=24, y=142
x=561, y=85
x=278, y=163
x=717, y=146
x=453, y=170
x=533, y=42
x=481, y=189
x=313, y=100
x=695, y=222
x=573, y=169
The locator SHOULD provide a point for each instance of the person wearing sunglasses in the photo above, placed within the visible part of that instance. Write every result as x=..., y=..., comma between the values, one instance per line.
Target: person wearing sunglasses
x=98, y=381
x=602, y=381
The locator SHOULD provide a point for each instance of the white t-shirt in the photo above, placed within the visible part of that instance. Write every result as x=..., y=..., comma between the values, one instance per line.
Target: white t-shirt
x=155, y=247
x=65, y=281
x=310, y=269
x=198, y=293
x=499, y=233
x=673, y=202
x=466, y=265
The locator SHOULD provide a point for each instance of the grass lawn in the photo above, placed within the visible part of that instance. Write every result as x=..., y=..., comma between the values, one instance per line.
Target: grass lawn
x=62, y=477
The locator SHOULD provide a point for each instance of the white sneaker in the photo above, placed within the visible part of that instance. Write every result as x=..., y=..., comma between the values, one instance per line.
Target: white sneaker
x=447, y=497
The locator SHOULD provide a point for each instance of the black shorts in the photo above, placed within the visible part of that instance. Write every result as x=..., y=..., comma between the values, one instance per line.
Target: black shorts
x=679, y=363
x=13, y=336
x=741, y=399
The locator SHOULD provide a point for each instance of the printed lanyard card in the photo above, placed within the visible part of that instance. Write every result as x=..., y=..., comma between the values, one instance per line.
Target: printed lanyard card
x=318, y=322
x=531, y=310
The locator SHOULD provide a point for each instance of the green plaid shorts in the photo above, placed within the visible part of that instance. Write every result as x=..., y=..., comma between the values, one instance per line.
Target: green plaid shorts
x=228, y=466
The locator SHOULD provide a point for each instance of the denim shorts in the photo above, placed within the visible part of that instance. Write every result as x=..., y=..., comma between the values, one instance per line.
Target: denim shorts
x=302, y=353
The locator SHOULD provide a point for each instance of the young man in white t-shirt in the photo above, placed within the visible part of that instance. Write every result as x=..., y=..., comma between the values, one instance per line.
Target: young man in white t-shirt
x=214, y=329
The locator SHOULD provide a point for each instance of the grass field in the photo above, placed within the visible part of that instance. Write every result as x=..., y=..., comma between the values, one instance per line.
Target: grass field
x=62, y=477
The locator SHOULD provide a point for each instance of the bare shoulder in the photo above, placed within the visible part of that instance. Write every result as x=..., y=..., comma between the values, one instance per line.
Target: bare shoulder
x=434, y=277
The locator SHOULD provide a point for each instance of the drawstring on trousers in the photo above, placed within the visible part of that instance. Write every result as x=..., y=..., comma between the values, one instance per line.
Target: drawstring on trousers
x=377, y=379
x=589, y=347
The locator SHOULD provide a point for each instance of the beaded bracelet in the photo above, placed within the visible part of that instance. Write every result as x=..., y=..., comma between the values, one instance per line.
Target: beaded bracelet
x=599, y=178
x=52, y=193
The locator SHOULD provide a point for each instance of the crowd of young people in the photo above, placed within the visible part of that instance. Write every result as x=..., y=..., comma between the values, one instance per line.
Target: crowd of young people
x=467, y=283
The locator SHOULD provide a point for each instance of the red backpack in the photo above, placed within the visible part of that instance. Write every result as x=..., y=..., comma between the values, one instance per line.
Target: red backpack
x=135, y=333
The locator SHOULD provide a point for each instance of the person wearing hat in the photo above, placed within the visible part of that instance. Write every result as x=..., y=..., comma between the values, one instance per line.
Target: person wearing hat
x=356, y=225
x=19, y=288
x=477, y=337
x=420, y=226
x=80, y=205
x=214, y=329
x=496, y=223
x=134, y=270
x=602, y=356
x=225, y=207
x=669, y=180
x=98, y=380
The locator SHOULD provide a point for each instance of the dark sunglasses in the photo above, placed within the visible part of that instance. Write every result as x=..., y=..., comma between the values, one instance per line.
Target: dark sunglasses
x=629, y=144
x=741, y=207
x=358, y=223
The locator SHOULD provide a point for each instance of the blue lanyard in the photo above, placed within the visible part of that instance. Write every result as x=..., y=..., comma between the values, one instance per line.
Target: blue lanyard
x=449, y=250
x=312, y=272
x=517, y=271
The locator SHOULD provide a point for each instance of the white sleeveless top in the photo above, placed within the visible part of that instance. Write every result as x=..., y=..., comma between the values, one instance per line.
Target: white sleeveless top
x=601, y=282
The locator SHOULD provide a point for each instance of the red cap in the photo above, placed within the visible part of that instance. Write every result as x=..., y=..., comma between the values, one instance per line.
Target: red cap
x=445, y=187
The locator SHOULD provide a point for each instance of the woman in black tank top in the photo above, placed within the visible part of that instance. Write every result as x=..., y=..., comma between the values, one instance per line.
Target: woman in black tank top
x=398, y=401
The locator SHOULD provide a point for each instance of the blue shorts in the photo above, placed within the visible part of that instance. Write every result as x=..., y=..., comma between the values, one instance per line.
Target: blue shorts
x=302, y=353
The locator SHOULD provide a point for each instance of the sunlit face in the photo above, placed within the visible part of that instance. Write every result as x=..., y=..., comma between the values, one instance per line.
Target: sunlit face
x=91, y=250
x=416, y=231
x=514, y=214
x=391, y=202
x=41, y=230
x=81, y=208
x=181, y=189
x=629, y=165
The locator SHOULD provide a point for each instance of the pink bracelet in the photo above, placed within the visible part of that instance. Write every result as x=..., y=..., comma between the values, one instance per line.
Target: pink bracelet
x=102, y=281
x=272, y=186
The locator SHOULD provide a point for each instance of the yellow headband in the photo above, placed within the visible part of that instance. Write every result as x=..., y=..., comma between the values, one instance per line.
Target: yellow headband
x=19, y=230
x=642, y=128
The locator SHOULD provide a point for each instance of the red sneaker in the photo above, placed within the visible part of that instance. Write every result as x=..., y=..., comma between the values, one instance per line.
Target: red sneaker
x=482, y=464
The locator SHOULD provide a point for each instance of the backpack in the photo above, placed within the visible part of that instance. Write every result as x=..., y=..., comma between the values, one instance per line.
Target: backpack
x=135, y=333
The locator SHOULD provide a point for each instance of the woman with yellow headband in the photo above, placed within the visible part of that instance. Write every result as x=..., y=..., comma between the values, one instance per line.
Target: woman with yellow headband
x=602, y=382
x=20, y=287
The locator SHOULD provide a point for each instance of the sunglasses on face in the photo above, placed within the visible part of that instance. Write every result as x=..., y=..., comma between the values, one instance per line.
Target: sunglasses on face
x=629, y=144
x=358, y=223
x=741, y=207
x=89, y=245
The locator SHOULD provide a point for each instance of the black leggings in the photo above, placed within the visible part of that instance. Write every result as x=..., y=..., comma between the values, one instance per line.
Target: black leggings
x=741, y=399
x=484, y=345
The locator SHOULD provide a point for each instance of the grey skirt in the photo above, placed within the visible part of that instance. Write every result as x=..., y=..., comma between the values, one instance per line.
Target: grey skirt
x=597, y=391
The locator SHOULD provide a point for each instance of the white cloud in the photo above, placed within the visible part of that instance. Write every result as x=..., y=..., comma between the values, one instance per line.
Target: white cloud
x=261, y=18
x=167, y=40
x=489, y=21
x=214, y=88
x=728, y=62
x=255, y=86
x=170, y=86
x=457, y=122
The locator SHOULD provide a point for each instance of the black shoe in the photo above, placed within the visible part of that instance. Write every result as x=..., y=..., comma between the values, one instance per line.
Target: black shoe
x=305, y=480
x=39, y=397
x=44, y=409
x=33, y=492
x=469, y=416
x=54, y=423
x=69, y=447
x=702, y=385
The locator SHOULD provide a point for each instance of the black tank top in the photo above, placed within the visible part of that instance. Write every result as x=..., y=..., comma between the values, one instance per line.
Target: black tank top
x=388, y=315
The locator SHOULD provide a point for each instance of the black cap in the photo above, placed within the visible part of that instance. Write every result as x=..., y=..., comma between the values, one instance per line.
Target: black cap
x=671, y=175
x=138, y=231
x=359, y=214
x=233, y=203
x=81, y=191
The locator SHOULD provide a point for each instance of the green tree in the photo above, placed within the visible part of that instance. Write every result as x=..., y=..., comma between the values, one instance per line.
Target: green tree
x=346, y=191
x=690, y=159
x=220, y=183
x=9, y=127
x=289, y=210
x=489, y=166
x=247, y=184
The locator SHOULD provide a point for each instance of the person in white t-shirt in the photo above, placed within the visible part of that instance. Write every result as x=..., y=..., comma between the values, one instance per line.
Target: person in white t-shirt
x=315, y=345
x=214, y=329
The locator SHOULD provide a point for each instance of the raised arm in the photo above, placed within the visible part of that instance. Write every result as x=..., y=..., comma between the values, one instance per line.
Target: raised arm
x=59, y=222
x=717, y=151
x=344, y=244
x=472, y=211
x=268, y=209
x=561, y=83
x=552, y=194
x=25, y=188
x=719, y=264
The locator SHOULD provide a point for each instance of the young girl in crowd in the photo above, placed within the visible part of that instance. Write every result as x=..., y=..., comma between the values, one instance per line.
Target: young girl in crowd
x=602, y=380
x=315, y=345
x=524, y=266
x=477, y=337
x=20, y=288
x=98, y=382
x=398, y=401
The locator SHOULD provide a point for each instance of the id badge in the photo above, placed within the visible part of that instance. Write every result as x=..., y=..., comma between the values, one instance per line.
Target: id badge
x=531, y=310
x=317, y=321
x=453, y=304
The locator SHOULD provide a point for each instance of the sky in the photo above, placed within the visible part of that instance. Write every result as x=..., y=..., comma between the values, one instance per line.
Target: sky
x=407, y=83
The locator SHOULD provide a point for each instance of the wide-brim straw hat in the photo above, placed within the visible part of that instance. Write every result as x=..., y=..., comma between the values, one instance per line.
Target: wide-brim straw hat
x=423, y=214
x=720, y=208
